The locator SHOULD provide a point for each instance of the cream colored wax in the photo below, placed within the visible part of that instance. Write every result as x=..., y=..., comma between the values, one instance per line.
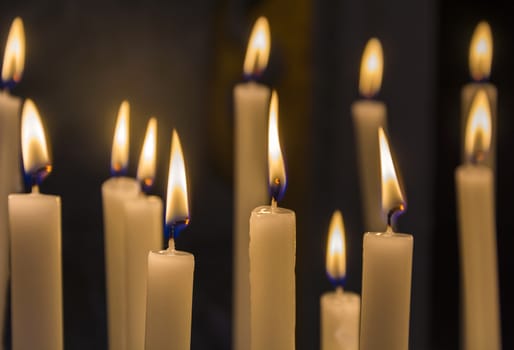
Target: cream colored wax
x=340, y=316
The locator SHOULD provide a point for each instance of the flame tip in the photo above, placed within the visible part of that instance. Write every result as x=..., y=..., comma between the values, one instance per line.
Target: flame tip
x=14, y=55
x=257, y=52
x=481, y=51
x=336, y=250
x=371, y=69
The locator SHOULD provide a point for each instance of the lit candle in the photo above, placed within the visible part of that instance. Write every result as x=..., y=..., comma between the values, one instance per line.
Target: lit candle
x=251, y=101
x=143, y=232
x=369, y=115
x=386, y=270
x=36, y=269
x=272, y=257
x=170, y=271
x=340, y=311
x=477, y=233
x=115, y=192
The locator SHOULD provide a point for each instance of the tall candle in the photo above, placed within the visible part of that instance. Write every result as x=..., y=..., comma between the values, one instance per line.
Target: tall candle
x=35, y=222
x=340, y=310
x=272, y=257
x=477, y=234
x=368, y=116
x=386, y=270
x=251, y=101
x=115, y=192
x=170, y=271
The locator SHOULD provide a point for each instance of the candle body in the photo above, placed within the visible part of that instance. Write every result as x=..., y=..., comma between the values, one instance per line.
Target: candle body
x=115, y=192
x=368, y=116
x=340, y=317
x=386, y=287
x=477, y=243
x=272, y=278
x=251, y=103
x=36, y=290
x=169, y=301
x=143, y=227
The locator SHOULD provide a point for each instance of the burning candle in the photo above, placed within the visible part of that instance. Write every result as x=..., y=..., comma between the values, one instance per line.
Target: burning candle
x=386, y=269
x=368, y=116
x=477, y=234
x=170, y=271
x=340, y=311
x=115, y=192
x=272, y=257
x=36, y=269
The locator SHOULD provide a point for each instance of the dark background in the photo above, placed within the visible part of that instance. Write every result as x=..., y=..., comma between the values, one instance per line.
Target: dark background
x=179, y=62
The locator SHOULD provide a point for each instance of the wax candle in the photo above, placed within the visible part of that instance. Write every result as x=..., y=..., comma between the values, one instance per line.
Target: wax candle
x=143, y=229
x=115, y=192
x=369, y=115
x=36, y=269
x=340, y=310
x=170, y=271
x=251, y=100
x=386, y=269
x=272, y=257
x=477, y=234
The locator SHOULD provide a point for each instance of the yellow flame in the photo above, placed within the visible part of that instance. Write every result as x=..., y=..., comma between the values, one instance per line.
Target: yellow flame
x=336, y=247
x=392, y=196
x=372, y=66
x=478, y=127
x=257, y=53
x=177, y=208
x=33, y=141
x=120, y=144
x=276, y=167
x=146, y=167
x=481, y=52
x=14, y=56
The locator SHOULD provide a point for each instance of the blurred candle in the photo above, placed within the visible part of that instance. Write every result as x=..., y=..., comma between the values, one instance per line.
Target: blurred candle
x=272, y=257
x=477, y=234
x=170, y=271
x=116, y=191
x=35, y=222
x=143, y=229
x=340, y=311
x=368, y=116
x=251, y=101
x=386, y=270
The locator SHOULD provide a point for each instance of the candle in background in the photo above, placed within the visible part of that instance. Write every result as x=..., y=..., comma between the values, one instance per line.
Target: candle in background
x=477, y=234
x=143, y=232
x=251, y=101
x=272, y=257
x=340, y=311
x=115, y=192
x=35, y=223
x=386, y=269
x=170, y=271
x=369, y=115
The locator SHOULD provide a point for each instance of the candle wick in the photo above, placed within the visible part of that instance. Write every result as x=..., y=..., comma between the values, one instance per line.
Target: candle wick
x=273, y=203
x=171, y=245
x=35, y=189
x=339, y=290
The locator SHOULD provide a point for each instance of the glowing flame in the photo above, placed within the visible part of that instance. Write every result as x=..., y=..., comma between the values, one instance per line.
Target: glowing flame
x=276, y=167
x=257, y=53
x=120, y=144
x=146, y=167
x=336, y=248
x=372, y=66
x=481, y=52
x=478, y=128
x=14, y=56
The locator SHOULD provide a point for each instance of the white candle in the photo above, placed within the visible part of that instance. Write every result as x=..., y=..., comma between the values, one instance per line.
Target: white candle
x=386, y=270
x=369, y=115
x=115, y=192
x=477, y=234
x=272, y=258
x=170, y=272
x=143, y=229
x=251, y=102
x=35, y=222
x=340, y=310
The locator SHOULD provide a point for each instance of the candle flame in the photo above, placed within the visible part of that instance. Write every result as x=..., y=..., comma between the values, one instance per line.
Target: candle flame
x=257, y=53
x=336, y=249
x=146, y=167
x=478, y=128
x=276, y=166
x=481, y=52
x=372, y=66
x=14, y=56
x=120, y=144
